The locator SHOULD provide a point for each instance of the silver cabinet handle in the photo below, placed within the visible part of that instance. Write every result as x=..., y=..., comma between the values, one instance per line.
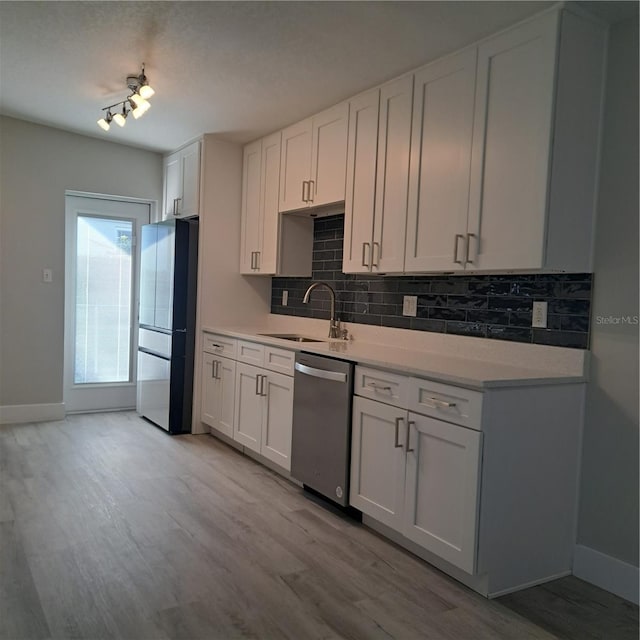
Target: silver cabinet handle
x=175, y=206
x=434, y=403
x=467, y=258
x=257, y=260
x=455, y=248
x=410, y=423
x=378, y=387
x=218, y=364
x=310, y=192
x=365, y=263
x=252, y=254
x=305, y=185
x=258, y=384
x=396, y=442
x=262, y=386
x=213, y=369
x=373, y=253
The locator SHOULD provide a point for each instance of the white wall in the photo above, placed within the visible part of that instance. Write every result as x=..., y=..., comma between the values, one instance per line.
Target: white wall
x=608, y=522
x=37, y=165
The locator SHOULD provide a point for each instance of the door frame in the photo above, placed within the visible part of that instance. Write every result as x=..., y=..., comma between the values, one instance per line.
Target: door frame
x=112, y=390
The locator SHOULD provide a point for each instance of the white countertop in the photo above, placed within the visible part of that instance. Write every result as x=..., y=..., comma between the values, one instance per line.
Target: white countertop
x=467, y=372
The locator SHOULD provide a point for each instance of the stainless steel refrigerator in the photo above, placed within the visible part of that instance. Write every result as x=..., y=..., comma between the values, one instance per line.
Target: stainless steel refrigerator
x=167, y=319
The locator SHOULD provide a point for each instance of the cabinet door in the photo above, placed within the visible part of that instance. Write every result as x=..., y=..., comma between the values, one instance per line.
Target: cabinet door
x=392, y=183
x=189, y=204
x=329, y=155
x=278, y=419
x=362, y=149
x=378, y=461
x=210, y=403
x=511, y=146
x=269, y=216
x=295, y=163
x=226, y=372
x=248, y=407
x=442, y=489
x=172, y=185
x=440, y=164
x=250, y=212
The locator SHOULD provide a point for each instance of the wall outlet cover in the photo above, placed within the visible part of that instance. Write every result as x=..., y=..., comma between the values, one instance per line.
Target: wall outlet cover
x=539, y=315
x=410, y=306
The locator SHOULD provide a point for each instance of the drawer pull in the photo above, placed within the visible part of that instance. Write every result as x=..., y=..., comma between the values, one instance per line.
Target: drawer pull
x=217, y=346
x=434, y=403
x=378, y=387
x=396, y=442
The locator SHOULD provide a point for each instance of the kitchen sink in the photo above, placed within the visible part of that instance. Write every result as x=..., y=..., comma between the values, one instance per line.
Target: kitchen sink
x=294, y=337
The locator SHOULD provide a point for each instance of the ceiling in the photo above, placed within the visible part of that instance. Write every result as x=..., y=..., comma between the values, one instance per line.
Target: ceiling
x=238, y=69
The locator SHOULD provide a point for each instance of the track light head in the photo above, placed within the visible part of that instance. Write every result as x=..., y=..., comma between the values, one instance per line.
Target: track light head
x=136, y=103
x=105, y=123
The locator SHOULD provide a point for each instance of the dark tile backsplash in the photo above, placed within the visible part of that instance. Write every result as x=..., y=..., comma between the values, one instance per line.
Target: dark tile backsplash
x=489, y=306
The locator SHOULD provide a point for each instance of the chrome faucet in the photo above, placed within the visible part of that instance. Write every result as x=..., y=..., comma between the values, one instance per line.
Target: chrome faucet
x=334, y=325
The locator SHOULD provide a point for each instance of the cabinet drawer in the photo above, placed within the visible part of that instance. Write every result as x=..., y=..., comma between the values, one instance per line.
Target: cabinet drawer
x=279, y=360
x=220, y=345
x=442, y=401
x=250, y=352
x=383, y=386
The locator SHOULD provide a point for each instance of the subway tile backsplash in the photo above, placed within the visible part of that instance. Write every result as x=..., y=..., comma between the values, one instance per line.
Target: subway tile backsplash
x=488, y=306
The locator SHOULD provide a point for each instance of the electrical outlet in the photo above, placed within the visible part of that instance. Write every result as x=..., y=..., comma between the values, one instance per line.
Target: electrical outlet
x=539, y=315
x=47, y=275
x=410, y=306
x=285, y=298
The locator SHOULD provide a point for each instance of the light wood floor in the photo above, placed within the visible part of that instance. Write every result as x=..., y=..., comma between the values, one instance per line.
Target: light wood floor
x=110, y=528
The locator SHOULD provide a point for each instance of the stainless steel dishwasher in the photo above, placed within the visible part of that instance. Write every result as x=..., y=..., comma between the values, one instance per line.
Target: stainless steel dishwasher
x=321, y=439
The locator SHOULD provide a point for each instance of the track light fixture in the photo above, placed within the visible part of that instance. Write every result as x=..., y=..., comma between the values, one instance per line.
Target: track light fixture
x=137, y=102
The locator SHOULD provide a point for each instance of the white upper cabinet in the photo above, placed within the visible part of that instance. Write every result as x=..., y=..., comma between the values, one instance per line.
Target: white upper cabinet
x=440, y=164
x=377, y=178
x=361, y=181
x=313, y=160
x=251, y=225
x=270, y=244
x=182, y=183
x=512, y=147
x=535, y=145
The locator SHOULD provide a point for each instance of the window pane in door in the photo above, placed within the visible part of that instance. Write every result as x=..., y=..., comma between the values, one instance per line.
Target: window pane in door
x=103, y=300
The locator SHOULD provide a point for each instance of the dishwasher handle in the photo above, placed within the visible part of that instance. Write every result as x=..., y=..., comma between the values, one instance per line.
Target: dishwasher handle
x=335, y=376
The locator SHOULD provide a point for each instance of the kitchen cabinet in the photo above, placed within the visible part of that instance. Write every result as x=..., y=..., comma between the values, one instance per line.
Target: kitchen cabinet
x=453, y=474
x=218, y=393
x=418, y=475
x=271, y=244
x=378, y=170
x=535, y=145
x=247, y=394
x=440, y=164
x=313, y=160
x=181, y=171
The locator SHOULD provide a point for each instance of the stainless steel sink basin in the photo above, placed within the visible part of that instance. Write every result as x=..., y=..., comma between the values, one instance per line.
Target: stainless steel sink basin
x=294, y=337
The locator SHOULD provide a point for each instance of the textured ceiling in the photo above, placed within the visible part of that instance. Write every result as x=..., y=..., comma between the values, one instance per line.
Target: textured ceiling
x=240, y=69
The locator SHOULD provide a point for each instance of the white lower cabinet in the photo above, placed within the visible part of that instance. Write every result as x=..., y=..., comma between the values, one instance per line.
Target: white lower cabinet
x=419, y=476
x=218, y=392
x=264, y=412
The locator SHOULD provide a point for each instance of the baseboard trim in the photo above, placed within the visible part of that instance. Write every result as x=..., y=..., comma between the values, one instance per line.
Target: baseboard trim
x=18, y=413
x=607, y=572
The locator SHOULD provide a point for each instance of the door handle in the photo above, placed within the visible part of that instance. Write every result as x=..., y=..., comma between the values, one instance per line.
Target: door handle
x=311, y=189
x=304, y=186
x=213, y=369
x=258, y=385
x=218, y=363
x=365, y=263
x=409, y=424
x=335, y=376
x=455, y=248
x=469, y=236
x=373, y=253
x=257, y=260
x=262, y=385
x=396, y=442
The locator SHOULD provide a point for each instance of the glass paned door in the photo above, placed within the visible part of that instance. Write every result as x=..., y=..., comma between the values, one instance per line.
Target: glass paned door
x=104, y=278
x=101, y=302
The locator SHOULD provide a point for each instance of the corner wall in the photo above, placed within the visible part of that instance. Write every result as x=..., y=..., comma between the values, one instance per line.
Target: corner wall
x=607, y=551
x=37, y=165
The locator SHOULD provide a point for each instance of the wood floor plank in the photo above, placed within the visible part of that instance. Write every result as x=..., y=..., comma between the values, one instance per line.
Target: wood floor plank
x=111, y=528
